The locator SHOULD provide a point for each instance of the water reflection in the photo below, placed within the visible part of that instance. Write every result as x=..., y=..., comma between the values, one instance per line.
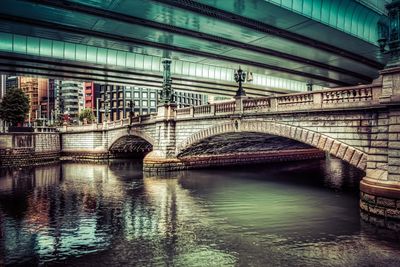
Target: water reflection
x=110, y=214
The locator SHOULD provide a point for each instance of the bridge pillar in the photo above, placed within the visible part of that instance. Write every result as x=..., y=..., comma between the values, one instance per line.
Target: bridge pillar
x=163, y=157
x=380, y=188
x=239, y=104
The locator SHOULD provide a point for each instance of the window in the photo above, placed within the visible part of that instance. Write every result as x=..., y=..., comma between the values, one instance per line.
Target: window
x=128, y=94
x=136, y=94
x=137, y=103
x=152, y=103
x=144, y=103
x=144, y=95
x=152, y=95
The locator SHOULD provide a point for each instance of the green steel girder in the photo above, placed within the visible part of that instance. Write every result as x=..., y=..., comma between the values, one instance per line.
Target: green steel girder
x=137, y=34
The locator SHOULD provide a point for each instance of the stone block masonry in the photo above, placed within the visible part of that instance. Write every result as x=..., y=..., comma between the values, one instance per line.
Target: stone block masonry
x=23, y=149
x=233, y=159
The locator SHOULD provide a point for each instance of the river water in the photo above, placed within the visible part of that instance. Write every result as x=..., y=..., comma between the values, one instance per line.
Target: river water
x=288, y=214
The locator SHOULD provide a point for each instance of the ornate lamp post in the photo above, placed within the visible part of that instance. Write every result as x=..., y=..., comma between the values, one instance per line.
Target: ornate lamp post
x=309, y=86
x=166, y=95
x=389, y=33
x=131, y=107
x=240, y=77
x=106, y=109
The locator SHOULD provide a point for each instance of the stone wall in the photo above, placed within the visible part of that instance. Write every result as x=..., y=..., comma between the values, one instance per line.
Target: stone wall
x=232, y=159
x=22, y=149
x=93, y=141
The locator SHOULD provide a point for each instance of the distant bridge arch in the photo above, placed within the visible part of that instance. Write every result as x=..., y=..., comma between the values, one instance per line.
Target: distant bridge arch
x=127, y=134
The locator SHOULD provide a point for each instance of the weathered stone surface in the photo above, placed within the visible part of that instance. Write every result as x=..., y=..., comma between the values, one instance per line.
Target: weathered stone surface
x=349, y=153
x=341, y=151
x=386, y=202
x=368, y=198
x=328, y=144
x=393, y=213
x=379, y=211
x=321, y=143
x=363, y=205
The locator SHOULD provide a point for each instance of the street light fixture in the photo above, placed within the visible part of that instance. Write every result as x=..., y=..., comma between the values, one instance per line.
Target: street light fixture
x=389, y=32
x=240, y=77
x=131, y=106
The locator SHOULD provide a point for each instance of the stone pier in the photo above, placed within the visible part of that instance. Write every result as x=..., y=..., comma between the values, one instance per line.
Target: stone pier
x=380, y=188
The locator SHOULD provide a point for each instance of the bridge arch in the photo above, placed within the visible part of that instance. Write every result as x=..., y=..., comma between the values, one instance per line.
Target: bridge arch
x=323, y=142
x=123, y=133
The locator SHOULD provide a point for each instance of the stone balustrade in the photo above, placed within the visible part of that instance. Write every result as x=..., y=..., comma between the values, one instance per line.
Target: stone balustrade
x=183, y=111
x=225, y=107
x=253, y=104
x=204, y=109
x=355, y=96
x=295, y=99
x=347, y=97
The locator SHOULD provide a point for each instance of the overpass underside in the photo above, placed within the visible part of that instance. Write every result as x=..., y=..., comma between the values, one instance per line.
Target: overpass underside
x=325, y=43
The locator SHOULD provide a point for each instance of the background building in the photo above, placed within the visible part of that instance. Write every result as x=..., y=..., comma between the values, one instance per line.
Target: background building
x=36, y=89
x=3, y=79
x=11, y=82
x=69, y=97
x=144, y=100
x=47, y=104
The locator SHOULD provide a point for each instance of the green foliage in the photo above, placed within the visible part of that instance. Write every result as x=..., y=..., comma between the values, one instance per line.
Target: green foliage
x=14, y=107
x=87, y=114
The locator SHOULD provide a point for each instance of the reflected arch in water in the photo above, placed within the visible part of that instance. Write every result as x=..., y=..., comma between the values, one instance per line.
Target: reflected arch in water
x=323, y=142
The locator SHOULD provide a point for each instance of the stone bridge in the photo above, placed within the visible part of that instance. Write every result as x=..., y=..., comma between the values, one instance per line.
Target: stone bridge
x=360, y=125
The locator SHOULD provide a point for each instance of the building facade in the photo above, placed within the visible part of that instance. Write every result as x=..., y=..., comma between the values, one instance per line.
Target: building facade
x=47, y=104
x=3, y=82
x=12, y=82
x=116, y=101
x=69, y=99
x=36, y=89
x=3, y=79
x=92, y=94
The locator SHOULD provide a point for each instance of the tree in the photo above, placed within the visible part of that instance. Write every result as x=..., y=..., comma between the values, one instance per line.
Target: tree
x=14, y=107
x=87, y=114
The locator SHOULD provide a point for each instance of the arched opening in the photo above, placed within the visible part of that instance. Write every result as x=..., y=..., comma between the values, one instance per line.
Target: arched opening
x=323, y=142
x=239, y=148
x=130, y=146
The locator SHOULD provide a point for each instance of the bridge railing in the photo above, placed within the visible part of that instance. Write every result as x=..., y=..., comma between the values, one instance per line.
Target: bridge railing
x=345, y=97
x=184, y=111
x=225, y=107
x=355, y=96
x=256, y=104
